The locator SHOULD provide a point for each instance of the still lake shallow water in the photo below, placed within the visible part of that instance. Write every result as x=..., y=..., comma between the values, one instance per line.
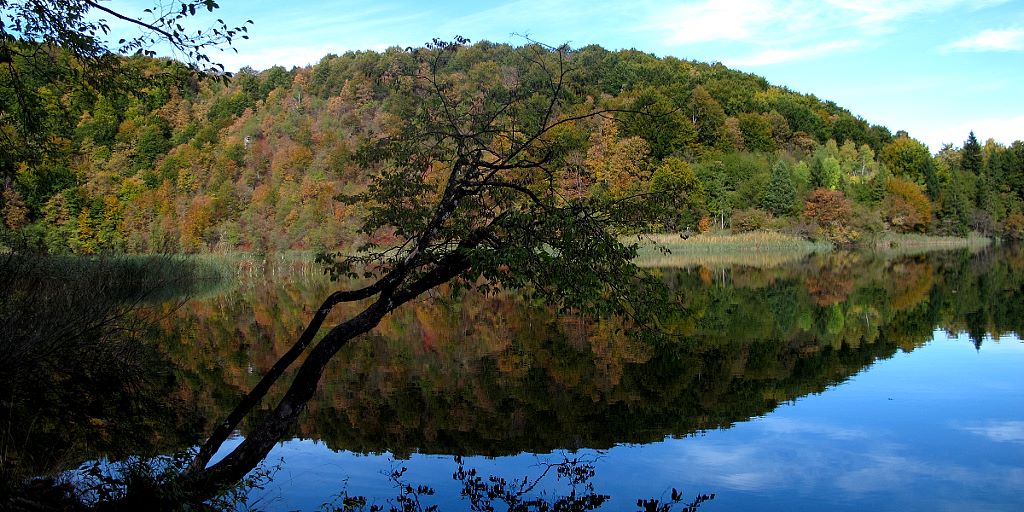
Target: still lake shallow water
x=829, y=383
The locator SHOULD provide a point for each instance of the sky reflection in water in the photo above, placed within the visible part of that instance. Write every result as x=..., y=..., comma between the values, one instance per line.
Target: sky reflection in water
x=941, y=428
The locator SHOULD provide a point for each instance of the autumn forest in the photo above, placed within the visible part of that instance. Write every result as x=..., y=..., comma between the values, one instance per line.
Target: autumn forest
x=499, y=253
x=258, y=161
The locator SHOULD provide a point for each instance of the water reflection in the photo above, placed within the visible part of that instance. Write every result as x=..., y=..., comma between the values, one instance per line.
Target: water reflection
x=75, y=379
x=496, y=376
x=493, y=376
x=927, y=430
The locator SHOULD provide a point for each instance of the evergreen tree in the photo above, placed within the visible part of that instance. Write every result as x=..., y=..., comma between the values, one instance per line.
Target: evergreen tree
x=878, y=184
x=931, y=180
x=970, y=155
x=780, y=195
x=1014, y=165
x=955, y=206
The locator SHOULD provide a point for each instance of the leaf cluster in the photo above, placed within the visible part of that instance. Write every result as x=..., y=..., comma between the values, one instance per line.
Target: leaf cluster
x=53, y=49
x=472, y=174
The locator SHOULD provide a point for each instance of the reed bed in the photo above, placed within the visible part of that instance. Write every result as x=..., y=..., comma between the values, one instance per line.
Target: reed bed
x=909, y=244
x=758, y=249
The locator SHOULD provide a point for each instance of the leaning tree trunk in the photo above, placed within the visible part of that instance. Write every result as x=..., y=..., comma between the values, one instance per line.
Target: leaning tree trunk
x=207, y=482
x=261, y=440
x=224, y=429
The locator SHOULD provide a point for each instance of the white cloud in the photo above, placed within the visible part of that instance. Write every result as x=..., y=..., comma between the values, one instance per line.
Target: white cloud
x=878, y=15
x=879, y=471
x=779, y=55
x=777, y=31
x=745, y=468
x=790, y=426
x=1004, y=130
x=1004, y=40
x=711, y=20
x=1000, y=431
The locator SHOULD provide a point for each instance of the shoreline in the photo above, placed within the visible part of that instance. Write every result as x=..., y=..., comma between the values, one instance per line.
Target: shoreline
x=769, y=248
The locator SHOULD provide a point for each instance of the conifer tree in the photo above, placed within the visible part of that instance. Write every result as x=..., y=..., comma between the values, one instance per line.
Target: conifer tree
x=878, y=184
x=931, y=180
x=780, y=195
x=970, y=155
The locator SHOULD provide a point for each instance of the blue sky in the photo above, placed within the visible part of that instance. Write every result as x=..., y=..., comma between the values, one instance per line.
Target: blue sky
x=936, y=68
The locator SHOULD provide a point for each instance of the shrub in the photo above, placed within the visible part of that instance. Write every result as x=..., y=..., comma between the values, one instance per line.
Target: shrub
x=906, y=206
x=1014, y=226
x=750, y=219
x=833, y=212
x=704, y=225
x=828, y=207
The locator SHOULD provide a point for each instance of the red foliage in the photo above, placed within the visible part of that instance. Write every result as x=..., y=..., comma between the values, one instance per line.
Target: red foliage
x=828, y=207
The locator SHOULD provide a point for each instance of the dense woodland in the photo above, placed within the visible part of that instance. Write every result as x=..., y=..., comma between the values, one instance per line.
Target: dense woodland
x=258, y=162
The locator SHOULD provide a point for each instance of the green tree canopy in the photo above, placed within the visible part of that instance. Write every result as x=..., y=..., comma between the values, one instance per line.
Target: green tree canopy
x=970, y=155
x=906, y=157
x=780, y=195
x=680, y=192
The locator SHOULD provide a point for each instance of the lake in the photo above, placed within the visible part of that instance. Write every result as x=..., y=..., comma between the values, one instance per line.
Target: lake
x=839, y=381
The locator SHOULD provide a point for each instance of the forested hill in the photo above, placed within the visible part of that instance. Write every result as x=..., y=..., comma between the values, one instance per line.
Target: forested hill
x=257, y=162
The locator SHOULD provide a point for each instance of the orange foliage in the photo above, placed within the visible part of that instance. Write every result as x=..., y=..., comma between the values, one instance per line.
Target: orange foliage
x=828, y=207
x=194, y=223
x=704, y=224
x=290, y=158
x=829, y=287
x=911, y=285
x=906, y=208
x=705, y=274
x=1015, y=226
x=832, y=211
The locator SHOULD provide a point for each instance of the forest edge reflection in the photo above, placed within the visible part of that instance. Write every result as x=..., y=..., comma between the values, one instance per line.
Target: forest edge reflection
x=478, y=375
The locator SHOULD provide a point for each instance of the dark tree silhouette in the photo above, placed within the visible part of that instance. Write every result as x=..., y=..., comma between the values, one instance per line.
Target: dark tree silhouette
x=468, y=189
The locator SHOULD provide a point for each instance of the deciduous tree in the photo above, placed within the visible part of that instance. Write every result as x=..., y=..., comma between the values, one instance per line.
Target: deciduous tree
x=832, y=211
x=757, y=132
x=706, y=114
x=907, y=208
x=907, y=158
x=468, y=190
x=680, y=192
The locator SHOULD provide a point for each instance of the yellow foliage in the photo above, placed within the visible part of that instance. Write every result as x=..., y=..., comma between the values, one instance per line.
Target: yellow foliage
x=907, y=206
x=704, y=225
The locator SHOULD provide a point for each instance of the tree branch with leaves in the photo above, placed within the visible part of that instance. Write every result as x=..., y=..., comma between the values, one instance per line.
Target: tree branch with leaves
x=51, y=47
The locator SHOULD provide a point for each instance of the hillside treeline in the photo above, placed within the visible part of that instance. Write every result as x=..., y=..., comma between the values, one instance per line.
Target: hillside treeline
x=257, y=162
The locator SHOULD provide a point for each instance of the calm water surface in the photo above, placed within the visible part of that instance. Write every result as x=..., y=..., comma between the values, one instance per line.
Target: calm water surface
x=841, y=382
x=940, y=428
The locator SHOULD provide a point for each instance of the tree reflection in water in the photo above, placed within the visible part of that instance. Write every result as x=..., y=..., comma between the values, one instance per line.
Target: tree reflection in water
x=489, y=493
x=476, y=375
x=492, y=375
